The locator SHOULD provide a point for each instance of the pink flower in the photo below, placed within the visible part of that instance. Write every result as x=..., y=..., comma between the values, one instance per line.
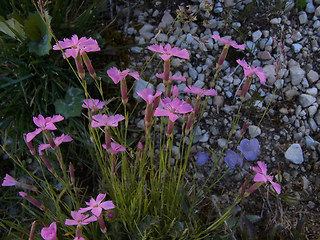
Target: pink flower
x=147, y=95
x=57, y=141
x=9, y=181
x=115, y=147
x=228, y=42
x=262, y=176
x=167, y=52
x=117, y=75
x=96, y=206
x=140, y=146
x=174, y=77
x=103, y=120
x=80, y=219
x=175, y=91
x=76, y=45
x=92, y=104
x=249, y=71
x=49, y=233
x=43, y=124
x=79, y=238
x=199, y=92
x=172, y=108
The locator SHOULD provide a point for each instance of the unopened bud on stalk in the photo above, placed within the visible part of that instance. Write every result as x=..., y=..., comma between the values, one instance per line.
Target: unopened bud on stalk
x=107, y=139
x=189, y=123
x=156, y=103
x=46, y=162
x=123, y=89
x=89, y=66
x=33, y=201
x=222, y=57
x=80, y=67
x=30, y=146
x=33, y=230
x=71, y=172
x=170, y=128
x=50, y=139
x=102, y=224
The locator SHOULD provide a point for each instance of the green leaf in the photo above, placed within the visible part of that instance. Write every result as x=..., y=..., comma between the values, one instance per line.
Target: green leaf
x=12, y=28
x=38, y=33
x=71, y=105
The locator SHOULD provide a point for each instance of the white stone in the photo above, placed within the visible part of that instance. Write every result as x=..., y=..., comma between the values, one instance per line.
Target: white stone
x=166, y=20
x=312, y=91
x=306, y=100
x=294, y=154
x=275, y=21
x=222, y=142
x=297, y=47
x=303, y=18
x=256, y=35
x=145, y=31
x=254, y=131
x=296, y=73
x=317, y=11
x=312, y=76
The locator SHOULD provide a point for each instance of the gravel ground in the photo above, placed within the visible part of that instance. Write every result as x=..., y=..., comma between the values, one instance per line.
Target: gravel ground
x=289, y=133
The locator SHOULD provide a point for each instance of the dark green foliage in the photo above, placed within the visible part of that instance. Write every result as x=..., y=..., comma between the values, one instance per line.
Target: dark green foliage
x=301, y=4
x=71, y=105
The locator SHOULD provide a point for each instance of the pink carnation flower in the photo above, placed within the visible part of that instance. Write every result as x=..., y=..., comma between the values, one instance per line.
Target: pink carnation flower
x=199, y=92
x=92, y=104
x=117, y=75
x=167, y=52
x=43, y=124
x=57, y=141
x=228, y=42
x=147, y=95
x=262, y=176
x=115, y=147
x=174, y=77
x=97, y=205
x=9, y=181
x=249, y=71
x=80, y=219
x=76, y=45
x=49, y=233
x=103, y=120
x=172, y=108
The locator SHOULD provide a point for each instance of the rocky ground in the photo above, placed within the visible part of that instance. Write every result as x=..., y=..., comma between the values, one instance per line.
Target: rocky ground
x=289, y=133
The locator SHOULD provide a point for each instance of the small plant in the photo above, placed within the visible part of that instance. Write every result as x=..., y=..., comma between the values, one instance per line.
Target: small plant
x=152, y=195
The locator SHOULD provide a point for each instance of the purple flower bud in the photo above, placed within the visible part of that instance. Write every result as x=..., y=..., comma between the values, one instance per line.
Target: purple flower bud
x=232, y=159
x=249, y=148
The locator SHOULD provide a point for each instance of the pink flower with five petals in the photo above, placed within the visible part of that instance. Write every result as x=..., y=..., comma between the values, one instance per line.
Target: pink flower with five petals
x=80, y=219
x=174, y=77
x=229, y=42
x=43, y=124
x=76, y=45
x=172, y=108
x=97, y=205
x=116, y=75
x=199, y=92
x=147, y=95
x=167, y=52
x=103, y=120
x=262, y=176
x=92, y=104
x=115, y=147
x=57, y=141
x=249, y=71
